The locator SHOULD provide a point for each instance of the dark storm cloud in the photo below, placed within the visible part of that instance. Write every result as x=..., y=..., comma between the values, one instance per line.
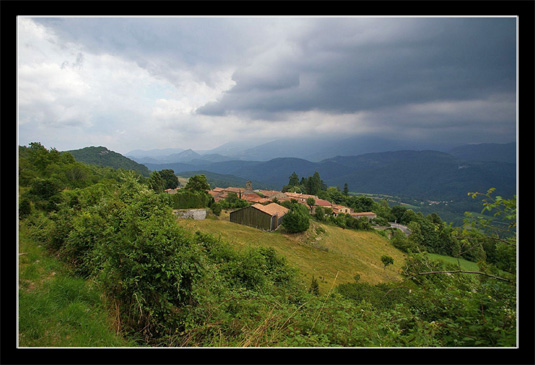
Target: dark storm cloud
x=352, y=64
x=428, y=78
x=162, y=45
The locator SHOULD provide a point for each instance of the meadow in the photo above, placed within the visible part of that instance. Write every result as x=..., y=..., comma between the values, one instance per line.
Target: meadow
x=331, y=254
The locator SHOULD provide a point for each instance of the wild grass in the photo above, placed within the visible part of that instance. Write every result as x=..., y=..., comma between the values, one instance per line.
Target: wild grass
x=56, y=309
x=323, y=251
x=465, y=264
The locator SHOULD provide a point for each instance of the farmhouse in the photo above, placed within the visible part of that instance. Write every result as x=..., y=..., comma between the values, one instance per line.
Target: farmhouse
x=337, y=209
x=369, y=215
x=246, y=194
x=265, y=217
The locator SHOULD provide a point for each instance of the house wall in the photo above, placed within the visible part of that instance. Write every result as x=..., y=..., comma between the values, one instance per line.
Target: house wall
x=252, y=217
x=197, y=214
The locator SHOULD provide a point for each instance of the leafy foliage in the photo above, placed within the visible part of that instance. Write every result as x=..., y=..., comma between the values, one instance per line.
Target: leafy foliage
x=297, y=219
x=172, y=287
x=101, y=156
x=198, y=183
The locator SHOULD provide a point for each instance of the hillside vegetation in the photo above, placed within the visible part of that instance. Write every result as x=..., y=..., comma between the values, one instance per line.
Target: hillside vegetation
x=101, y=156
x=325, y=252
x=124, y=267
x=420, y=174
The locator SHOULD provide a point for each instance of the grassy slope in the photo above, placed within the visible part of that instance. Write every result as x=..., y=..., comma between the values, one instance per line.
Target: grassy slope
x=56, y=309
x=338, y=253
x=465, y=264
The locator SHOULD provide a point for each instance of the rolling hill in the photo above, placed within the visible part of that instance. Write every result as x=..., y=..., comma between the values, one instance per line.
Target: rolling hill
x=220, y=180
x=101, y=156
x=336, y=254
x=420, y=174
x=425, y=175
x=486, y=152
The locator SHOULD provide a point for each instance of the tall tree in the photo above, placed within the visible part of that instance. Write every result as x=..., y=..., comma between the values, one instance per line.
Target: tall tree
x=314, y=184
x=294, y=179
x=311, y=202
x=198, y=183
x=156, y=182
x=169, y=178
x=346, y=189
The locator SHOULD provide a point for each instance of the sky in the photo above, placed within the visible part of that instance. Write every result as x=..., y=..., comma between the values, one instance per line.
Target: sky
x=130, y=83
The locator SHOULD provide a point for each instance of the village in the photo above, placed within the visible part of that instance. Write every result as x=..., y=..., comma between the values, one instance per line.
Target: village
x=265, y=212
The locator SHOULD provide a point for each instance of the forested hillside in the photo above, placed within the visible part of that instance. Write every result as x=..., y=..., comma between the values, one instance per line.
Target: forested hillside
x=101, y=156
x=420, y=174
x=486, y=152
x=166, y=285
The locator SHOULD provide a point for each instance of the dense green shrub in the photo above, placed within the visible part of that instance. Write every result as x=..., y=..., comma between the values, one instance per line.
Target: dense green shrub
x=188, y=199
x=297, y=219
x=176, y=288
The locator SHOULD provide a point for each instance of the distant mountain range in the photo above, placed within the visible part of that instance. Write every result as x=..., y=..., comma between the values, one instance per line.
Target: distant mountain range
x=419, y=174
x=311, y=149
x=426, y=174
x=319, y=149
x=486, y=152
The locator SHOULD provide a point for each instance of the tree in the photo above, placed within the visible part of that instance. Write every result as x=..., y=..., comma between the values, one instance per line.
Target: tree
x=169, y=178
x=346, y=189
x=408, y=216
x=294, y=179
x=314, y=184
x=362, y=204
x=335, y=195
x=398, y=211
x=296, y=220
x=387, y=260
x=216, y=208
x=311, y=202
x=320, y=214
x=233, y=201
x=156, y=182
x=198, y=183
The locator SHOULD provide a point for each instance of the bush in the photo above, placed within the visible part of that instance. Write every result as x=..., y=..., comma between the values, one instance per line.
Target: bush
x=186, y=199
x=25, y=208
x=216, y=208
x=401, y=242
x=296, y=221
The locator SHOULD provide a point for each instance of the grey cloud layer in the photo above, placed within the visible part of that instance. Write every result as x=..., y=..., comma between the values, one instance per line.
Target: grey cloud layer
x=356, y=66
x=440, y=76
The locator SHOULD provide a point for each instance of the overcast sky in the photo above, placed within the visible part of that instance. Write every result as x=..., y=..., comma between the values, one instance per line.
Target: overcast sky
x=198, y=82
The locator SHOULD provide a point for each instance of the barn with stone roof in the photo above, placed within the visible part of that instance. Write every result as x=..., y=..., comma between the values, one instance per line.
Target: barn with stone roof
x=265, y=217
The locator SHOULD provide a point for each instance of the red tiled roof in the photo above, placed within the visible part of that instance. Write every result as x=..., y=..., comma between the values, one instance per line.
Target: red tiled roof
x=269, y=193
x=272, y=209
x=254, y=198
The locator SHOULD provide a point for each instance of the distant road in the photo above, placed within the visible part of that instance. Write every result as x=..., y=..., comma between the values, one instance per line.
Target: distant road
x=402, y=227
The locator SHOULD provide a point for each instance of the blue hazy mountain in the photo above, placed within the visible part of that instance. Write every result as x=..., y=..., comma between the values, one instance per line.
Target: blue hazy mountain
x=486, y=152
x=419, y=174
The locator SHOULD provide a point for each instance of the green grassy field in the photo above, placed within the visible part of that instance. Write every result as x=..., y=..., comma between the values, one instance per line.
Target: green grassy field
x=333, y=257
x=56, y=309
x=465, y=264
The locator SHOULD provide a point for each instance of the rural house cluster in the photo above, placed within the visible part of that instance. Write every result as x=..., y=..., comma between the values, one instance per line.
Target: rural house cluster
x=266, y=214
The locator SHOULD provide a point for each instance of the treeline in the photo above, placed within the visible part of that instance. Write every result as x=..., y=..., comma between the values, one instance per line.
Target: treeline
x=172, y=287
